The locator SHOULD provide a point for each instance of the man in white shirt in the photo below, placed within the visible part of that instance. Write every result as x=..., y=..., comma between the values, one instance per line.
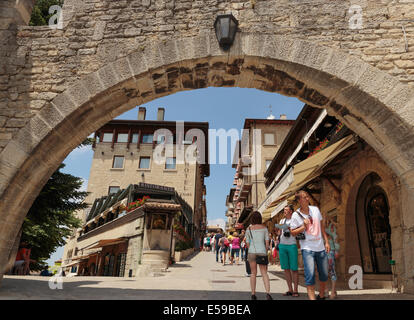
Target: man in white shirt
x=308, y=219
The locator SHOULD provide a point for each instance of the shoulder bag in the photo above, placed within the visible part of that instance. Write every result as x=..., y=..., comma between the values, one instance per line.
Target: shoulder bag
x=300, y=236
x=259, y=259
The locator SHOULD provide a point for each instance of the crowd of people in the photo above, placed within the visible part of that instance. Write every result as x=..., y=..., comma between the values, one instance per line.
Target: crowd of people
x=257, y=247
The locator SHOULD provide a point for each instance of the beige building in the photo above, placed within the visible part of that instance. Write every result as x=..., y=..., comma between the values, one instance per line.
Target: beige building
x=144, y=152
x=267, y=135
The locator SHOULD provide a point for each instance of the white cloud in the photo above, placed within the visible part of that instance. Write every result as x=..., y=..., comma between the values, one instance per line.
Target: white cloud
x=80, y=151
x=213, y=223
x=84, y=186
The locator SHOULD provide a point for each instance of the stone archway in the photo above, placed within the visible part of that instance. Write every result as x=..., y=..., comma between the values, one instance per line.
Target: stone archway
x=372, y=103
x=359, y=168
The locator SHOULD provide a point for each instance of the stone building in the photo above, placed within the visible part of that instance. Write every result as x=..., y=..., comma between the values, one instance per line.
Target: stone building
x=126, y=153
x=164, y=153
x=253, y=154
x=129, y=233
x=356, y=191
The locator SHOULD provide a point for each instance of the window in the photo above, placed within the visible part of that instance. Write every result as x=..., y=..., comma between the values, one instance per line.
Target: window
x=118, y=162
x=113, y=190
x=269, y=139
x=268, y=162
x=161, y=139
x=107, y=137
x=135, y=137
x=144, y=163
x=170, y=163
x=122, y=137
x=147, y=138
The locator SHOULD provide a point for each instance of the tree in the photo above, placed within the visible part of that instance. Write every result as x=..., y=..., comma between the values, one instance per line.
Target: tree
x=40, y=13
x=51, y=218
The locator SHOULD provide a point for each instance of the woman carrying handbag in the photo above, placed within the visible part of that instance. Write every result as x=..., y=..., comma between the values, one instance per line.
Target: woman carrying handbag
x=257, y=241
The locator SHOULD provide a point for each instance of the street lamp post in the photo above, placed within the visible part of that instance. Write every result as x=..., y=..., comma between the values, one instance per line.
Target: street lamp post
x=226, y=28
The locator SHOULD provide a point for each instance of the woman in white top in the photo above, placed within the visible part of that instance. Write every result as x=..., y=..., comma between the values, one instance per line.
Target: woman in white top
x=288, y=253
x=257, y=241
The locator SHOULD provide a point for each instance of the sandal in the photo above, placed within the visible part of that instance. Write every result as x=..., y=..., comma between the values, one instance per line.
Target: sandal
x=287, y=293
x=295, y=294
x=320, y=298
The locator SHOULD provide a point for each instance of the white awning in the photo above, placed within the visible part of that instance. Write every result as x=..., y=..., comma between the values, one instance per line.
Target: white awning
x=278, y=190
x=279, y=208
x=71, y=264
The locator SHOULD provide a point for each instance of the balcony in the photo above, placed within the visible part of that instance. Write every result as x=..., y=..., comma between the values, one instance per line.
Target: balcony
x=245, y=188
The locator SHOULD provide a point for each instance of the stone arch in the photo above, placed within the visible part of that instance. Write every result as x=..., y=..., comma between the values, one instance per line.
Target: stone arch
x=358, y=169
x=370, y=102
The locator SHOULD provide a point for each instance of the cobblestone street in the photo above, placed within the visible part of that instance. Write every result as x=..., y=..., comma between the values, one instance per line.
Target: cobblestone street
x=197, y=278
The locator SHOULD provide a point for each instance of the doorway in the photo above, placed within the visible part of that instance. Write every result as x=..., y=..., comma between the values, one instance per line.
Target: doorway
x=374, y=230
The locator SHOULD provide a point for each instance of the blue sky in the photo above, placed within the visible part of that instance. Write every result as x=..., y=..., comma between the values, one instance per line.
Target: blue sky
x=223, y=108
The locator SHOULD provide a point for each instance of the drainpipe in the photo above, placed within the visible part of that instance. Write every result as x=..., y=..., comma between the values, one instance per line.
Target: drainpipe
x=255, y=159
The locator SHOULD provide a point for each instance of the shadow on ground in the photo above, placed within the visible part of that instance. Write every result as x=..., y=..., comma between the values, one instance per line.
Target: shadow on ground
x=12, y=288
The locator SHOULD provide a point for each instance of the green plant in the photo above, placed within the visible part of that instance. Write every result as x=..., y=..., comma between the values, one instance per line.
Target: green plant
x=182, y=245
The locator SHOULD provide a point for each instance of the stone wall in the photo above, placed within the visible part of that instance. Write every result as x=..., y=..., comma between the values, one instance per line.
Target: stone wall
x=353, y=172
x=44, y=62
x=58, y=86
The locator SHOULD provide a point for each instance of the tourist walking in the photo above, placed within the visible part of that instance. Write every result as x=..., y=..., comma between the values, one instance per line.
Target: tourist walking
x=307, y=220
x=272, y=259
x=224, y=248
x=333, y=255
x=217, y=238
x=208, y=245
x=242, y=245
x=257, y=241
x=288, y=253
x=235, y=249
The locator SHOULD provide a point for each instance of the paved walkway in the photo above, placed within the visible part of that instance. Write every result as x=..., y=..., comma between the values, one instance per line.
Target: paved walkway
x=197, y=278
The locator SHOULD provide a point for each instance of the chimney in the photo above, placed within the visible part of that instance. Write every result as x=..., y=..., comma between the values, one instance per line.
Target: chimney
x=283, y=117
x=141, y=113
x=160, y=114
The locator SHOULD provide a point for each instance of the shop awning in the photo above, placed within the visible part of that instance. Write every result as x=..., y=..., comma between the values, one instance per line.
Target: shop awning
x=283, y=184
x=108, y=242
x=309, y=169
x=71, y=264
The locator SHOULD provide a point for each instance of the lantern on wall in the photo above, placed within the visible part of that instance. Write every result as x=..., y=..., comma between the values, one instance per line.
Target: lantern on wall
x=226, y=28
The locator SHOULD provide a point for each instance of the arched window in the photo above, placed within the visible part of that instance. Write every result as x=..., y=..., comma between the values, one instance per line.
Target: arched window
x=374, y=231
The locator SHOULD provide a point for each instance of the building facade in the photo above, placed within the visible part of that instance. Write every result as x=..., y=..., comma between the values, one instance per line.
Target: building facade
x=359, y=197
x=163, y=153
x=253, y=154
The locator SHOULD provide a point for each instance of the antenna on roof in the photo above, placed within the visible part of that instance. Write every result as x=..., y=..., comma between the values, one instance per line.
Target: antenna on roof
x=271, y=116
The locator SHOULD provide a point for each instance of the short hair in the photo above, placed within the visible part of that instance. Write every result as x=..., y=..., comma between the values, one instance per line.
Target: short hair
x=256, y=218
x=290, y=207
x=298, y=193
x=235, y=234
